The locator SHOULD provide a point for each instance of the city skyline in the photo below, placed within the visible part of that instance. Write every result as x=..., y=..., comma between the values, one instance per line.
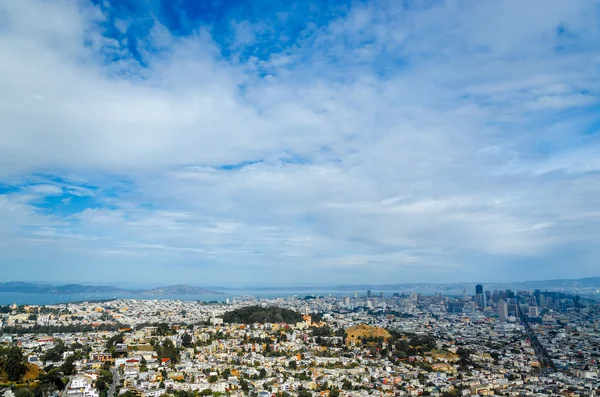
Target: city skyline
x=292, y=143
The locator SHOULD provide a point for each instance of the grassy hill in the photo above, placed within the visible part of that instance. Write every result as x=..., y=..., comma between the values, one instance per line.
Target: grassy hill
x=363, y=332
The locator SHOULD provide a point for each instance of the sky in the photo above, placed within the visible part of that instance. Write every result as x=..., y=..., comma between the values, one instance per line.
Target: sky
x=271, y=142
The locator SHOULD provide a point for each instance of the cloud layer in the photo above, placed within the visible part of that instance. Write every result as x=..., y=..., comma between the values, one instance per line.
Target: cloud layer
x=382, y=141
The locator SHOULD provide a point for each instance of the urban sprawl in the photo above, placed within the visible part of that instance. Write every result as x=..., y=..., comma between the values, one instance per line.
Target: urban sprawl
x=494, y=343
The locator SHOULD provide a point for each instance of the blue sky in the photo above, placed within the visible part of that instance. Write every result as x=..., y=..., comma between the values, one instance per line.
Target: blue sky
x=299, y=142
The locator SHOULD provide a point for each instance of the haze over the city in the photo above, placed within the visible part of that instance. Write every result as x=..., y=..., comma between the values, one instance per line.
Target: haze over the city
x=294, y=142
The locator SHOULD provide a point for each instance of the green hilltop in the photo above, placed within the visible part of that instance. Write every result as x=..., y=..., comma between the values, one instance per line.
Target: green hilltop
x=258, y=314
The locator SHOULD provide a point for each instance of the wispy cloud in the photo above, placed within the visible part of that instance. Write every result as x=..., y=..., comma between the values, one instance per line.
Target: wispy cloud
x=370, y=138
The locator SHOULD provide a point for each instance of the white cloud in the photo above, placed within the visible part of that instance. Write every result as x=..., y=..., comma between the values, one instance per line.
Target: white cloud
x=388, y=138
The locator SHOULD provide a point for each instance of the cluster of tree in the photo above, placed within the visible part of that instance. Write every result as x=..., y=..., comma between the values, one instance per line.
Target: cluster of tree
x=12, y=363
x=258, y=314
x=55, y=353
x=167, y=349
x=114, y=340
x=52, y=379
x=186, y=340
x=104, y=381
x=322, y=331
x=59, y=329
x=465, y=360
x=405, y=345
x=163, y=329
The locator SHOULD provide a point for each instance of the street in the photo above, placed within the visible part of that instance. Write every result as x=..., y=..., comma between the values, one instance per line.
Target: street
x=115, y=382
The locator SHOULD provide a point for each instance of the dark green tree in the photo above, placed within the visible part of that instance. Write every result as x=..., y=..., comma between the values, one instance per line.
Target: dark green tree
x=14, y=366
x=186, y=340
x=23, y=392
x=68, y=367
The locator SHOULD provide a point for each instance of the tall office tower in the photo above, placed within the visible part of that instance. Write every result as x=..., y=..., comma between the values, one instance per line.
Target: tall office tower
x=479, y=296
x=536, y=293
x=542, y=300
x=346, y=300
x=488, y=296
x=356, y=295
x=464, y=294
x=368, y=293
x=495, y=296
x=381, y=295
x=502, y=310
x=478, y=289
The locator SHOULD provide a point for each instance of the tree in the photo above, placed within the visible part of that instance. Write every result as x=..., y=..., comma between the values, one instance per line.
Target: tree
x=68, y=367
x=304, y=393
x=23, y=392
x=263, y=373
x=292, y=364
x=186, y=340
x=167, y=350
x=14, y=365
x=226, y=373
x=52, y=377
x=244, y=385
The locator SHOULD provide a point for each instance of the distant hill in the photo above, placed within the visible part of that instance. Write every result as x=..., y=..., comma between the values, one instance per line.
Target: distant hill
x=258, y=314
x=31, y=288
x=179, y=290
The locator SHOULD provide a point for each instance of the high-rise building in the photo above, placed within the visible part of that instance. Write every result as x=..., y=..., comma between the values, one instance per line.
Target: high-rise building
x=381, y=295
x=368, y=293
x=495, y=296
x=356, y=295
x=502, y=310
x=478, y=289
x=346, y=300
x=480, y=298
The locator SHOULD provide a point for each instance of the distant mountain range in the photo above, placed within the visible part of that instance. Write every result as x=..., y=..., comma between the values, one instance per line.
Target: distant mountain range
x=583, y=285
x=31, y=288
